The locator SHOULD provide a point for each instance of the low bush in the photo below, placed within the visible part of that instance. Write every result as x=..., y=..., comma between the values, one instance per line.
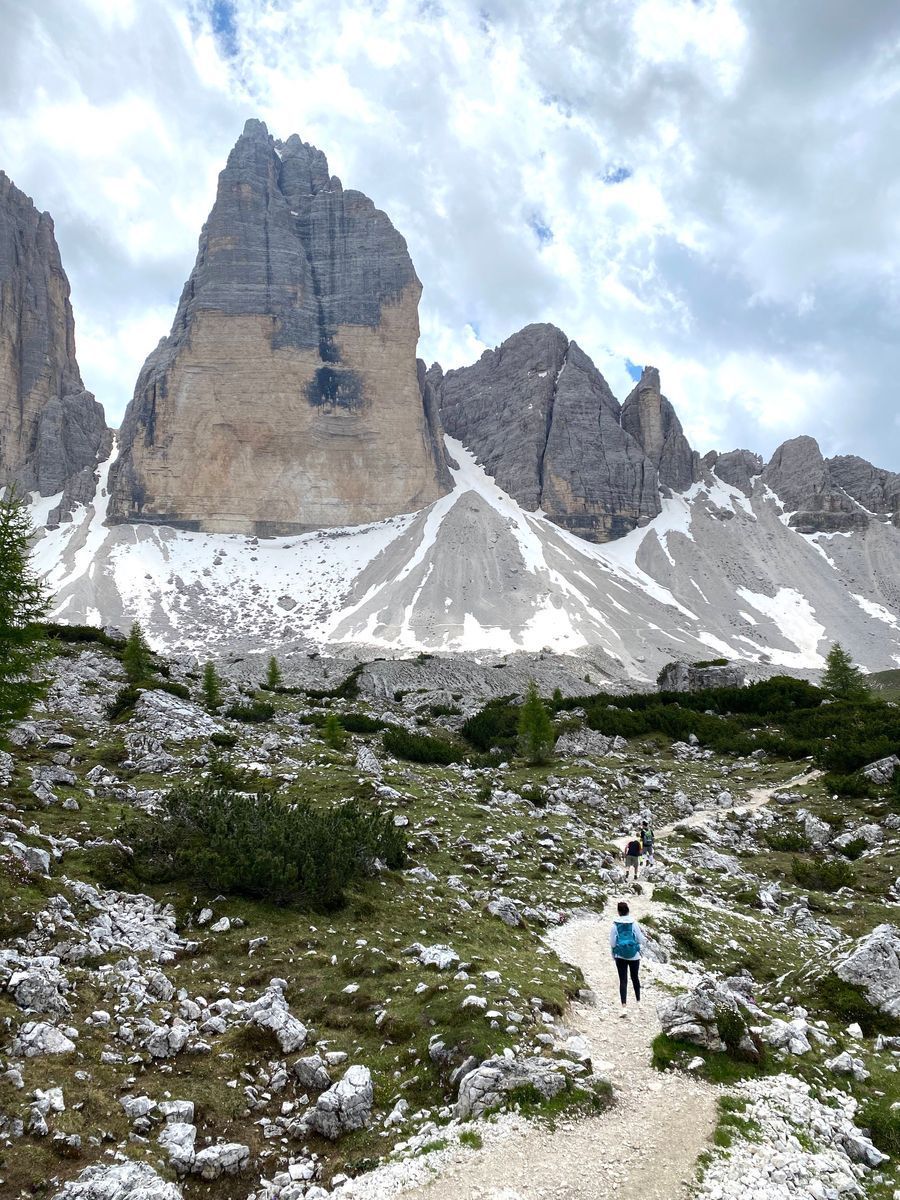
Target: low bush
x=419, y=747
x=225, y=741
x=122, y=704
x=497, y=724
x=668, y=895
x=854, y=849
x=82, y=633
x=347, y=689
x=822, y=874
x=173, y=688
x=355, y=722
x=258, y=846
x=850, y=1004
x=690, y=941
x=855, y=785
x=882, y=1119
x=254, y=713
x=787, y=839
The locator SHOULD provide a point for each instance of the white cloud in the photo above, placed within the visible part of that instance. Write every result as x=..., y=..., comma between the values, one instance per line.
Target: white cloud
x=708, y=185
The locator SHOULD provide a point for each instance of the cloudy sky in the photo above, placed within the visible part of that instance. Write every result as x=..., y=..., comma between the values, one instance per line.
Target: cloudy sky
x=710, y=186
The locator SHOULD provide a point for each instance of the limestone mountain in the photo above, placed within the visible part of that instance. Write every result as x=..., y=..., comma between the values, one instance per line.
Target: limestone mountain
x=651, y=420
x=51, y=428
x=835, y=495
x=287, y=395
x=544, y=423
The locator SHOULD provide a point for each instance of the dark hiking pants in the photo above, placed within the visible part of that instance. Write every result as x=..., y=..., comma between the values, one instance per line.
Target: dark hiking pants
x=624, y=966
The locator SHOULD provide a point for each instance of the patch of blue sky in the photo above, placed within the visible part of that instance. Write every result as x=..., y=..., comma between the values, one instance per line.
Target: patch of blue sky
x=617, y=174
x=633, y=370
x=223, y=19
x=542, y=231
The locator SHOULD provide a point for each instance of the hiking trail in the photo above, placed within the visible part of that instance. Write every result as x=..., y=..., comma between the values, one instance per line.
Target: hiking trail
x=646, y=1145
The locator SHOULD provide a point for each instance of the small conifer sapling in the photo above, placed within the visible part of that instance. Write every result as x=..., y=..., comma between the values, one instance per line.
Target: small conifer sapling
x=23, y=606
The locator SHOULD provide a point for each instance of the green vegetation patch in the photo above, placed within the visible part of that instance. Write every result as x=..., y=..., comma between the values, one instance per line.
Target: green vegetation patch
x=258, y=846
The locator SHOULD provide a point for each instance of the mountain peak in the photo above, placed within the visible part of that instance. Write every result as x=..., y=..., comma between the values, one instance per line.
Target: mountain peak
x=289, y=380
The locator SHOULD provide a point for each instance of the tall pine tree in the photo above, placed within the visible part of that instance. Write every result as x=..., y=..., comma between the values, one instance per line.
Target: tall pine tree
x=273, y=674
x=842, y=679
x=536, y=732
x=23, y=606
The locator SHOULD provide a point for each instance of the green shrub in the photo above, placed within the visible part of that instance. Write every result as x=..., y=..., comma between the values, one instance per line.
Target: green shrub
x=254, y=712
x=712, y=662
x=419, y=747
x=122, y=704
x=822, y=874
x=855, y=786
x=786, y=839
x=257, y=846
x=81, y=633
x=731, y=1027
x=882, y=1118
x=225, y=741
x=494, y=725
x=348, y=689
x=689, y=940
x=668, y=895
x=361, y=723
x=173, y=688
x=443, y=710
x=854, y=849
x=849, y=1004
x=534, y=794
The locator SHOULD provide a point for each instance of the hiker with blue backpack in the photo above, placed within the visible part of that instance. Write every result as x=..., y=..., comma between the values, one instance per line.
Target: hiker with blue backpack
x=626, y=940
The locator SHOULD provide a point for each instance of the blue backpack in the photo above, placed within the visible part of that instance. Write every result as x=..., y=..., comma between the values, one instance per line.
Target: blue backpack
x=627, y=944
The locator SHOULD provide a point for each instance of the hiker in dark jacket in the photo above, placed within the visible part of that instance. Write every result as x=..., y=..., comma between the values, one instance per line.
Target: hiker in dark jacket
x=633, y=851
x=626, y=940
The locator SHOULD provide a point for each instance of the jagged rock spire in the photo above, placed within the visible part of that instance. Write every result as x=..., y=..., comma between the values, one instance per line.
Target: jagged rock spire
x=651, y=420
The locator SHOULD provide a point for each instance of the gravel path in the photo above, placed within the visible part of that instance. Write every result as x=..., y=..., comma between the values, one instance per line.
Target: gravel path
x=643, y=1148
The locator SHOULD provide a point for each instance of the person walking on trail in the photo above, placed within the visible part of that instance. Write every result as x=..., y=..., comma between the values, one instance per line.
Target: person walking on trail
x=626, y=940
x=633, y=851
x=647, y=841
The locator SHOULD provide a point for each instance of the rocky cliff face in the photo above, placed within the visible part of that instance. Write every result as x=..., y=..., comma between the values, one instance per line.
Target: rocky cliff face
x=543, y=422
x=872, y=487
x=651, y=420
x=287, y=395
x=736, y=467
x=51, y=429
x=811, y=491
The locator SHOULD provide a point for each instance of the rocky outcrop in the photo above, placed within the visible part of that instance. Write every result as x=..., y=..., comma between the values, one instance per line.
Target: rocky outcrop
x=287, y=396
x=803, y=482
x=651, y=420
x=874, y=488
x=873, y=965
x=543, y=422
x=736, y=467
x=683, y=677
x=51, y=429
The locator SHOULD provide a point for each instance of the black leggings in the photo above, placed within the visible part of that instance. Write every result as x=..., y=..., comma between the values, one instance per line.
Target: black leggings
x=623, y=966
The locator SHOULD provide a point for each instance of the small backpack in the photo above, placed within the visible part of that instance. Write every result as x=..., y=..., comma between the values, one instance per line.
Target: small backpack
x=627, y=944
x=633, y=849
